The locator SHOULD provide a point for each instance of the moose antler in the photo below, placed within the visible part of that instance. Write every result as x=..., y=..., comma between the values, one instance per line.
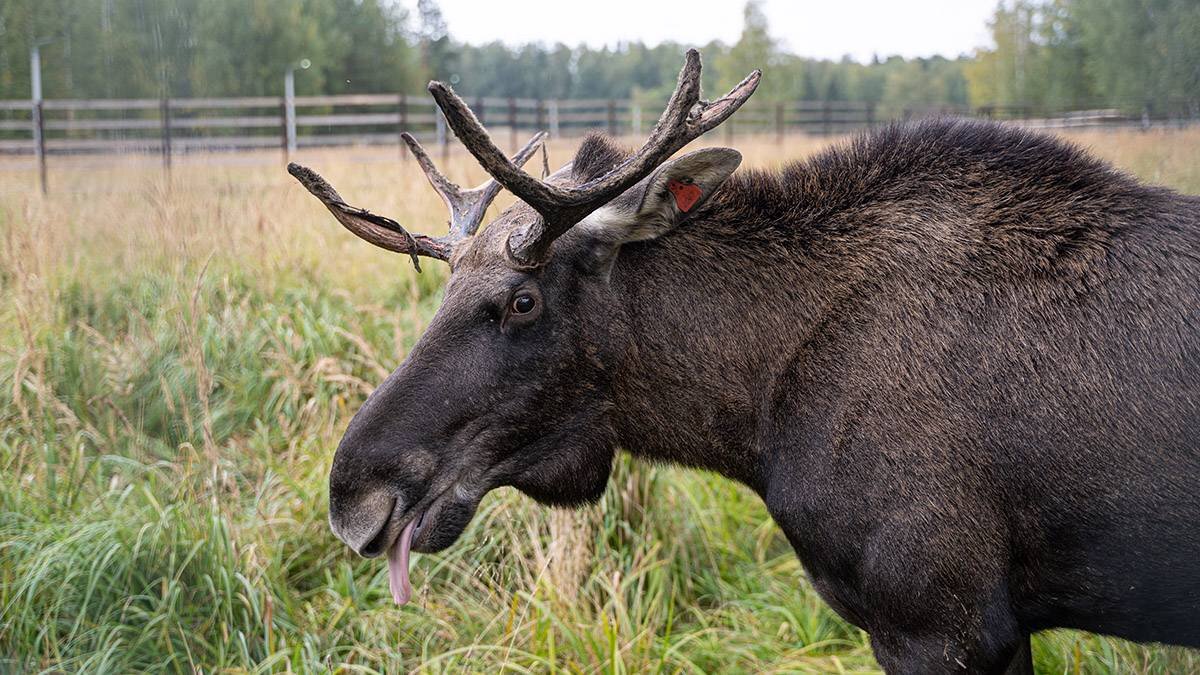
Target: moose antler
x=379, y=230
x=467, y=207
x=685, y=118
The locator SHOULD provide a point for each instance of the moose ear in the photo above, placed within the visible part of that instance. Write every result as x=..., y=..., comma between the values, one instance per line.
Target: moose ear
x=659, y=202
x=678, y=188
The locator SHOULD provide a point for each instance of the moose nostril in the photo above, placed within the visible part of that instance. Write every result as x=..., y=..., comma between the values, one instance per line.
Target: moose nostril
x=378, y=544
x=363, y=524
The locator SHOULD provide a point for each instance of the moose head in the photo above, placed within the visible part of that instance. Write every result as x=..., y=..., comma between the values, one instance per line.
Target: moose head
x=513, y=381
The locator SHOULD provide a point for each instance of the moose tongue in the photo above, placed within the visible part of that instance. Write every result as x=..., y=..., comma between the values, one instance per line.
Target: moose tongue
x=398, y=564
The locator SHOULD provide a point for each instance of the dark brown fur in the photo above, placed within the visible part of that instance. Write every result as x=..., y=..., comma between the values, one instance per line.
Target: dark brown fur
x=959, y=361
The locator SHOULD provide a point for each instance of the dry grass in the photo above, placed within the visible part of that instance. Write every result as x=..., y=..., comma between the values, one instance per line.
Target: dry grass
x=176, y=363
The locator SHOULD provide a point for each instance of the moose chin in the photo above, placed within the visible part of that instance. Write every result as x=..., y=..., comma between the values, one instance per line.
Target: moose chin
x=959, y=362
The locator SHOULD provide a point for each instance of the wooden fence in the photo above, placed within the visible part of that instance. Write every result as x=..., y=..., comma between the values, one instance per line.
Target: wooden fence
x=184, y=125
x=171, y=127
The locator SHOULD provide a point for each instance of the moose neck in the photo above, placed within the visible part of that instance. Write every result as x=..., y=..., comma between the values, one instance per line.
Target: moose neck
x=714, y=323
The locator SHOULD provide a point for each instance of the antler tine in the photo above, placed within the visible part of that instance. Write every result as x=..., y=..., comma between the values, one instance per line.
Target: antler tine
x=684, y=118
x=467, y=207
x=708, y=115
x=379, y=230
x=476, y=139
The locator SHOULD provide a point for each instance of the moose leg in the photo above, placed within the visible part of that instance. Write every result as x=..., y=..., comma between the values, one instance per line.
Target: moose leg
x=901, y=654
x=905, y=653
x=938, y=594
x=1022, y=662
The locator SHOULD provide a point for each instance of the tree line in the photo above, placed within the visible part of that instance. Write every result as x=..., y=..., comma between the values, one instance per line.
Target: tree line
x=1082, y=53
x=1048, y=54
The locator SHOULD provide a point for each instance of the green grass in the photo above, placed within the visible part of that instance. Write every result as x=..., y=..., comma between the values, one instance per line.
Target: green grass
x=173, y=380
x=149, y=527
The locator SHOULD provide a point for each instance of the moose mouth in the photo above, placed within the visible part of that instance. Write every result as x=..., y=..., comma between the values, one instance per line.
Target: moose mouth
x=432, y=527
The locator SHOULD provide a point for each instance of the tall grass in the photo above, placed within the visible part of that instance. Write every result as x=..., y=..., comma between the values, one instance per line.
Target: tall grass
x=177, y=362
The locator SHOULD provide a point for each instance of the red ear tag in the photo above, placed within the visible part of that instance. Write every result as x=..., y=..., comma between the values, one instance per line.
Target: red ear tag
x=686, y=194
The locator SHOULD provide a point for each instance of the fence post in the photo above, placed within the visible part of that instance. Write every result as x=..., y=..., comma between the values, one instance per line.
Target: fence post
x=612, y=117
x=512, y=123
x=540, y=112
x=779, y=122
x=870, y=114
x=283, y=129
x=289, y=111
x=38, y=121
x=553, y=106
x=39, y=138
x=826, y=118
x=164, y=115
x=402, y=123
x=635, y=113
x=442, y=140
x=478, y=110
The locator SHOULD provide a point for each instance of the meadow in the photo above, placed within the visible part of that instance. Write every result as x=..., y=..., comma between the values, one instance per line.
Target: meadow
x=178, y=359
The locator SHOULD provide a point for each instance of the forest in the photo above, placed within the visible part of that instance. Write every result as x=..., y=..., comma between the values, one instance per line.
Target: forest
x=1049, y=55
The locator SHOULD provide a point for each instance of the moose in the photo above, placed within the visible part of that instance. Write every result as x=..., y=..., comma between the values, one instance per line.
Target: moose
x=959, y=362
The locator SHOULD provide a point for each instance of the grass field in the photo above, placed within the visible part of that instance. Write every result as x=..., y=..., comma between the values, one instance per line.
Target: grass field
x=177, y=363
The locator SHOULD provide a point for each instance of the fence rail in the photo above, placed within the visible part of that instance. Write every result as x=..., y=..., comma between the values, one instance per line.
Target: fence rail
x=175, y=126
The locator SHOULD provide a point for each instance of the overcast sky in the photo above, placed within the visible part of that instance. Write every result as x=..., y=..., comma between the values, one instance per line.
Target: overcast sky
x=815, y=28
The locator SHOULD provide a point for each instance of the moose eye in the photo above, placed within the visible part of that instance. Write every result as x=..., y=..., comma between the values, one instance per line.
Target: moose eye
x=523, y=304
